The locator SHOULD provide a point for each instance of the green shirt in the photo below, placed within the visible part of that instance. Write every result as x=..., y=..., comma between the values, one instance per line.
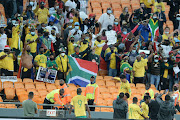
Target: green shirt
x=29, y=108
x=51, y=63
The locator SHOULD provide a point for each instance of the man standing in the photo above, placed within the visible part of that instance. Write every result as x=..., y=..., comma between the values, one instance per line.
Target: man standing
x=92, y=93
x=29, y=107
x=149, y=90
x=80, y=105
x=120, y=107
x=76, y=32
x=176, y=94
x=167, y=109
x=62, y=62
x=145, y=108
x=3, y=38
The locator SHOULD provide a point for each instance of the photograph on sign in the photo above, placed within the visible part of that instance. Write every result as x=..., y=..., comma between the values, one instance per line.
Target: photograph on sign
x=46, y=75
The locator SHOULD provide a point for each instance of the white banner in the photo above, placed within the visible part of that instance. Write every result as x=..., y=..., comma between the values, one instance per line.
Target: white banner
x=46, y=75
x=9, y=78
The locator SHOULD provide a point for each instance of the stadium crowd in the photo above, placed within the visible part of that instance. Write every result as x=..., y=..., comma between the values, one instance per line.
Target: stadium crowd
x=137, y=47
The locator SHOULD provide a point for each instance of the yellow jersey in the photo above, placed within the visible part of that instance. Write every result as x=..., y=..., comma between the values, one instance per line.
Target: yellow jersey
x=62, y=63
x=159, y=4
x=41, y=60
x=166, y=37
x=42, y=15
x=79, y=102
x=134, y=111
x=139, y=68
x=145, y=110
x=7, y=62
x=148, y=2
x=33, y=45
x=113, y=61
x=15, y=37
x=98, y=49
x=70, y=48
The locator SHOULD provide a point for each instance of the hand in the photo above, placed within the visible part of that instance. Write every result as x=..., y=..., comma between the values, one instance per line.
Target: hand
x=54, y=66
x=89, y=116
x=160, y=19
x=140, y=23
x=90, y=44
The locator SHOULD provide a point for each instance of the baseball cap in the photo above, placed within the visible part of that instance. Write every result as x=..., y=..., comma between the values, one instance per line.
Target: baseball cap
x=6, y=47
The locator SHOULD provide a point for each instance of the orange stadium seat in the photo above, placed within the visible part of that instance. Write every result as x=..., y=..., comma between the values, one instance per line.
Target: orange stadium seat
x=27, y=80
x=29, y=85
x=1, y=86
x=105, y=1
x=10, y=106
x=7, y=84
x=112, y=89
x=106, y=95
x=100, y=82
x=2, y=106
x=73, y=94
x=57, y=82
x=40, y=85
x=10, y=93
x=22, y=97
x=19, y=80
x=115, y=1
x=42, y=92
x=109, y=101
x=140, y=85
x=105, y=5
x=114, y=95
x=20, y=91
x=132, y=85
x=32, y=90
x=110, y=83
x=107, y=77
x=95, y=4
x=125, y=1
x=118, y=84
x=103, y=89
x=115, y=5
x=126, y=5
x=18, y=85
x=50, y=86
x=97, y=10
x=99, y=78
x=1, y=100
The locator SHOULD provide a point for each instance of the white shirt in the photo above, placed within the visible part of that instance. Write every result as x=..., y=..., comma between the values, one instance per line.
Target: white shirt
x=85, y=29
x=49, y=28
x=71, y=4
x=111, y=37
x=3, y=41
x=166, y=49
x=106, y=20
x=77, y=37
x=52, y=38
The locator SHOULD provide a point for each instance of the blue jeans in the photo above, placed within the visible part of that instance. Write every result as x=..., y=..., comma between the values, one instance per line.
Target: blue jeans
x=155, y=79
x=112, y=72
x=148, y=77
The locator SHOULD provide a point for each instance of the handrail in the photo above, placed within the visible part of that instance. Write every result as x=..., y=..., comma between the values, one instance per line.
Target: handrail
x=19, y=103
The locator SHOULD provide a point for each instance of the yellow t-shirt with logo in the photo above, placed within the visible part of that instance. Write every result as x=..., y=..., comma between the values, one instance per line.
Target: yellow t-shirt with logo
x=64, y=60
x=33, y=45
x=79, y=102
x=70, y=48
x=139, y=68
x=42, y=15
x=113, y=61
x=7, y=62
x=165, y=37
x=166, y=71
x=134, y=111
x=109, y=50
x=15, y=37
x=83, y=47
x=98, y=49
x=41, y=60
x=145, y=110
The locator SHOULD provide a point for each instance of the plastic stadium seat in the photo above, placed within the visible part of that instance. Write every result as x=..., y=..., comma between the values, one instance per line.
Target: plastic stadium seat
x=50, y=86
x=103, y=89
x=36, y=81
x=2, y=106
x=106, y=95
x=1, y=100
x=7, y=84
x=100, y=82
x=132, y=85
x=29, y=85
x=110, y=83
x=18, y=85
x=27, y=80
x=125, y=1
x=107, y=77
x=114, y=95
x=99, y=78
x=37, y=99
x=112, y=89
x=140, y=85
x=95, y=4
x=20, y=91
x=115, y=1
x=42, y=92
x=126, y=5
x=118, y=84
x=1, y=86
x=97, y=10
x=22, y=97
x=105, y=5
x=105, y=1
x=19, y=80
x=109, y=101
x=40, y=85
x=32, y=90
x=57, y=82
x=73, y=94
x=10, y=93
x=10, y=106
x=94, y=1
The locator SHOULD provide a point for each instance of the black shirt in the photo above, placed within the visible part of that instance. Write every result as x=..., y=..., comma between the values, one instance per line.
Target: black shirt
x=153, y=109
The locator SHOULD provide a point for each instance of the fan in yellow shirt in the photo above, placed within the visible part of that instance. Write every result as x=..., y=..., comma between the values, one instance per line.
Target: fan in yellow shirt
x=148, y=3
x=145, y=107
x=70, y=42
x=41, y=59
x=99, y=44
x=80, y=105
x=135, y=110
x=125, y=86
x=42, y=14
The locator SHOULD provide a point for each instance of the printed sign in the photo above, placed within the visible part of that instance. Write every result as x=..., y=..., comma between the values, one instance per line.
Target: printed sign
x=9, y=78
x=46, y=75
x=51, y=113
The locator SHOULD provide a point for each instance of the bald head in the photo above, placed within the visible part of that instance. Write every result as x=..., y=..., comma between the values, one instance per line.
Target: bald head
x=79, y=91
x=61, y=82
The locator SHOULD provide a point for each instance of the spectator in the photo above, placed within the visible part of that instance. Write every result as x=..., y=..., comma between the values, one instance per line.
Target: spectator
x=124, y=16
x=148, y=4
x=66, y=90
x=29, y=107
x=106, y=19
x=99, y=44
x=78, y=5
x=155, y=71
x=116, y=26
x=51, y=3
x=126, y=97
x=71, y=4
x=2, y=21
x=92, y=93
x=51, y=64
x=85, y=26
x=3, y=39
x=67, y=30
x=145, y=108
x=51, y=26
x=40, y=60
x=7, y=60
x=153, y=108
x=42, y=14
x=175, y=94
x=20, y=6
x=112, y=60
x=157, y=4
x=30, y=14
x=80, y=109
x=125, y=86
x=161, y=17
x=94, y=57
x=60, y=43
x=60, y=4
x=142, y=13
x=166, y=48
x=139, y=70
x=166, y=34
x=144, y=30
x=135, y=110
x=31, y=38
x=120, y=107
x=76, y=32
x=149, y=90
x=62, y=62
x=70, y=42
x=55, y=97
x=167, y=109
